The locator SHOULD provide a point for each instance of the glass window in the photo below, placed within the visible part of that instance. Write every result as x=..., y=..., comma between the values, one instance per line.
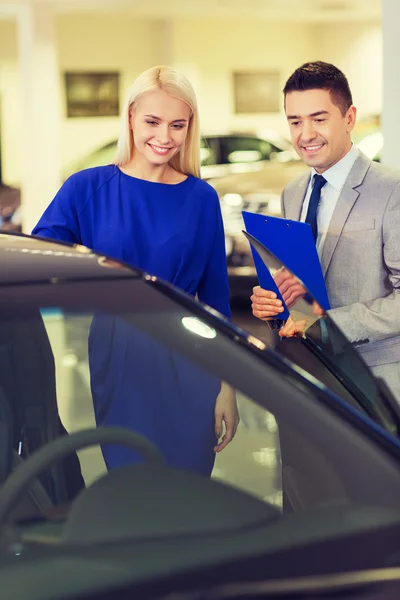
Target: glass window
x=126, y=354
x=333, y=349
x=242, y=149
x=251, y=462
x=209, y=151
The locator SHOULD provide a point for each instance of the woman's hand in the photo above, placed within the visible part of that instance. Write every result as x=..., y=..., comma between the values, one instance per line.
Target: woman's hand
x=225, y=411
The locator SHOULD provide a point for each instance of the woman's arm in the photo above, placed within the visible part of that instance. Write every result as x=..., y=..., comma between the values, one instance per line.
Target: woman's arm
x=60, y=219
x=226, y=411
x=214, y=287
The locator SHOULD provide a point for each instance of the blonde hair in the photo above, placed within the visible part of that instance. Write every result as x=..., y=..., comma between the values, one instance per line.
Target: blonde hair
x=187, y=161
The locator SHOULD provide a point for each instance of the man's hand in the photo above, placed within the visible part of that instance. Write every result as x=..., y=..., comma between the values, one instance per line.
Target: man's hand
x=289, y=287
x=297, y=328
x=225, y=411
x=264, y=304
x=293, y=328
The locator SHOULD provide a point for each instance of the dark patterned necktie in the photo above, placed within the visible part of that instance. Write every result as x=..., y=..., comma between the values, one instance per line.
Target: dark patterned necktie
x=311, y=218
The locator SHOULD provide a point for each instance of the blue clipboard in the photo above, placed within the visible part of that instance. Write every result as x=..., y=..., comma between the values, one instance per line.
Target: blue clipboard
x=293, y=243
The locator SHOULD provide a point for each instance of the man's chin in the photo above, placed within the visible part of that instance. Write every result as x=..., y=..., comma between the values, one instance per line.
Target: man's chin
x=313, y=161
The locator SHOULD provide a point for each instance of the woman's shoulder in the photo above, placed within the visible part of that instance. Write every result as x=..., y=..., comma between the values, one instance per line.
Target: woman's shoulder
x=93, y=176
x=83, y=186
x=204, y=189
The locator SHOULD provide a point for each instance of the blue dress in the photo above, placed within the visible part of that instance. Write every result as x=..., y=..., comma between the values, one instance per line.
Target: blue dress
x=176, y=233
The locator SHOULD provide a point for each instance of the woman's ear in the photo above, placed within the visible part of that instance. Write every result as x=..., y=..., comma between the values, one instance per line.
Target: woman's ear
x=131, y=116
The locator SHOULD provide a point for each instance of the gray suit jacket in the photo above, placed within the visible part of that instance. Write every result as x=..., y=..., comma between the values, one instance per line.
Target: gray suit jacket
x=361, y=257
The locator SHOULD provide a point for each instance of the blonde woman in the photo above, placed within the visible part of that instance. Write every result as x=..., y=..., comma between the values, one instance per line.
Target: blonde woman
x=152, y=210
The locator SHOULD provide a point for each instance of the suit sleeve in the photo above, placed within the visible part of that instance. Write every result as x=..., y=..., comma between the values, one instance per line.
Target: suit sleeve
x=380, y=318
x=214, y=287
x=60, y=219
x=283, y=211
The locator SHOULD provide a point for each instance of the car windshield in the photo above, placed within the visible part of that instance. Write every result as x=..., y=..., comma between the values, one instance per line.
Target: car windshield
x=127, y=353
x=325, y=353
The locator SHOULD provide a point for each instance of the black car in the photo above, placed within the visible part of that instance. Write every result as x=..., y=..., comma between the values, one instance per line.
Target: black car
x=306, y=495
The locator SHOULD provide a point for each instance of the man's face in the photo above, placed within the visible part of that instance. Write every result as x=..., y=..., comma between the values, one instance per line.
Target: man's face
x=320, y=132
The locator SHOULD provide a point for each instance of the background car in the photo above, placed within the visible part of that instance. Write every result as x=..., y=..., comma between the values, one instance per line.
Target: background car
x=220, y=154
x=372, y=145
x=260, y=192
x=249, y=172
x=10, y=202
x=368, y=137
x=10, y=205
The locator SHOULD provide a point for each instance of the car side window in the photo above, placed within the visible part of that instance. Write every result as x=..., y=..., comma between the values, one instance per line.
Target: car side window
x=251, y=462
x=209, y=151
x=244, y=149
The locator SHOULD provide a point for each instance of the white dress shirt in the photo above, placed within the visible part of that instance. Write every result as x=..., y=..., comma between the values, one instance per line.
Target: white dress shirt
x=335, y=179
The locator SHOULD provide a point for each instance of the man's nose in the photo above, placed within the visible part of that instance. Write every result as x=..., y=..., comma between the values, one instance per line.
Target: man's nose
x=308, y=133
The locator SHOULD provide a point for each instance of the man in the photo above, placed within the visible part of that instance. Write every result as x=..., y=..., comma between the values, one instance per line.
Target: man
x=354, y=213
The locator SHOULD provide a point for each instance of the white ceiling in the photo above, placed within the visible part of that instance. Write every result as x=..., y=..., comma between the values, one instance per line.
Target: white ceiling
x=290, y=10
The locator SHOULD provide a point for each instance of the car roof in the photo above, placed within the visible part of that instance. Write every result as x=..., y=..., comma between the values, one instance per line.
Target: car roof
x=27, y=259
x=236, y=134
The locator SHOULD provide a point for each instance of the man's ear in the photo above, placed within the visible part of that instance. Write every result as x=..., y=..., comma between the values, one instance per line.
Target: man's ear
x=351, y=118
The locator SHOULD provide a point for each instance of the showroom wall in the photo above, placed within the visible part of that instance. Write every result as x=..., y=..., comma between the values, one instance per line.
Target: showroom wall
x=357, y=49
x=207, y=51
x=9, y=102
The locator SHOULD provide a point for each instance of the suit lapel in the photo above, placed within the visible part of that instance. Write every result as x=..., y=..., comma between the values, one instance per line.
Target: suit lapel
x=348, y=197
x=293, y=206
x=345, y=203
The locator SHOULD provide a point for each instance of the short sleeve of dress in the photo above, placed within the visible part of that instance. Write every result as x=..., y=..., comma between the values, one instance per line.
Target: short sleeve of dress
x=214, y=287
x=60, y=219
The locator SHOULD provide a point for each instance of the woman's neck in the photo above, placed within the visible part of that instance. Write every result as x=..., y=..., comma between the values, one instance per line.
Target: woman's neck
x=157, y=174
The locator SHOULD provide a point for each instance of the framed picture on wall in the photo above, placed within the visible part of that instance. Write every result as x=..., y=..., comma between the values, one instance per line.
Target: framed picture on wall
x=256, y=91
x=92, y=94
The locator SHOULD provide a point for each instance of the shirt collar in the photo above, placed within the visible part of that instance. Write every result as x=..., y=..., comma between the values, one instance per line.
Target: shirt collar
x=337, y=174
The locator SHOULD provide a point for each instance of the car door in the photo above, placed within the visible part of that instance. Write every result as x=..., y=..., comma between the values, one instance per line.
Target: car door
x=319, y=346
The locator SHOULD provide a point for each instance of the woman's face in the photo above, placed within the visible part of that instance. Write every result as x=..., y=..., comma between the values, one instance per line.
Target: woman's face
x=159, y=124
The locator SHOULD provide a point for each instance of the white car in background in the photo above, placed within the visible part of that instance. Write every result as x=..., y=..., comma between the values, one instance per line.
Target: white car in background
x=220, y=154
x=372, y=145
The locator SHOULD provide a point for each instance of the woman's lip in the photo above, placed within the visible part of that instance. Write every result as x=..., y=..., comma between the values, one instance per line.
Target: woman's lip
x=160, y=149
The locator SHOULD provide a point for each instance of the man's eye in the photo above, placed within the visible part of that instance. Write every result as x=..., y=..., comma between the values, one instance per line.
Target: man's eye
x=320, y=120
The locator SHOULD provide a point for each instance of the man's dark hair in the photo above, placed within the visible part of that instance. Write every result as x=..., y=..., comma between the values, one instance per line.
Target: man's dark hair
x=323, y=76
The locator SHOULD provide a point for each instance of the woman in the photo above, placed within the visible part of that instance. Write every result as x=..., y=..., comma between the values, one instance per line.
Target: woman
x=152, y=210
